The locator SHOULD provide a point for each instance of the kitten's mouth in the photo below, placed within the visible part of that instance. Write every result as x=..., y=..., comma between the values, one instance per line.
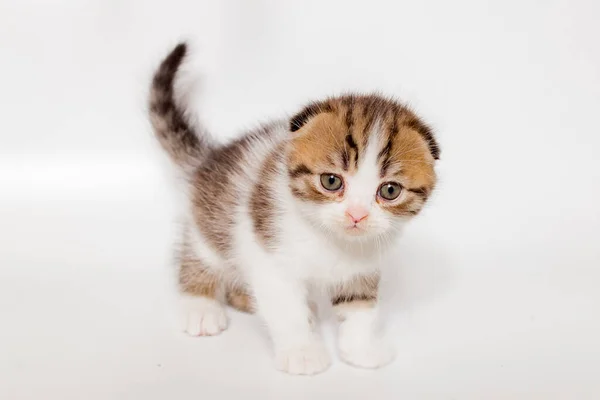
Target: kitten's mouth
x=354, y=230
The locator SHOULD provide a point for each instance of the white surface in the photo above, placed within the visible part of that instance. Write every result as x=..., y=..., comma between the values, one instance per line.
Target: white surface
x=497, y=289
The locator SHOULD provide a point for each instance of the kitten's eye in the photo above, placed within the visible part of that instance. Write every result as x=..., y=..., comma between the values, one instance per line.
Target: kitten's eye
x=331, y=182
x=390, y=190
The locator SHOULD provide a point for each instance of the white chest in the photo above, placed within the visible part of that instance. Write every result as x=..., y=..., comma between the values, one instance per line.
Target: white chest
x=315, y=258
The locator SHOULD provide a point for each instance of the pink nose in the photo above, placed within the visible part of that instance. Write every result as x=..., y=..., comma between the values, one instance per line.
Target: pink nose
x=357, y=214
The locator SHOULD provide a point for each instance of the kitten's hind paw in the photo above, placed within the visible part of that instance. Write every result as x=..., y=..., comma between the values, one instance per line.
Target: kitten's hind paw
x=203, y=316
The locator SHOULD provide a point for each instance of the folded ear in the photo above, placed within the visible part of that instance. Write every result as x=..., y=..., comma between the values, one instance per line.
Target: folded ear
x=308, y=112
x=427, y=133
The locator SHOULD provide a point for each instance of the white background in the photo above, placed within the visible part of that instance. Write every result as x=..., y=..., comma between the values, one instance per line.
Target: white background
x=497, y=290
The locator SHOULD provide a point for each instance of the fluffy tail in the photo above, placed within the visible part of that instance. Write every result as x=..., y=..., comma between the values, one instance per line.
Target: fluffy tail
x=173, y=131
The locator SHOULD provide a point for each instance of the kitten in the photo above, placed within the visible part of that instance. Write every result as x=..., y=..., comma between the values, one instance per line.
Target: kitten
x=297, y=206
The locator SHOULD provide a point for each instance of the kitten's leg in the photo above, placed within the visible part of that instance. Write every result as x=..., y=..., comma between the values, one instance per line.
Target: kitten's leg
x=201, y=289
x=240, y=299
x=282, y=302
x=359, y=341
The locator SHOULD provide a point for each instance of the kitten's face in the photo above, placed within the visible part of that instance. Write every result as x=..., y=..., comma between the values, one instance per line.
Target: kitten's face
x=360, y=166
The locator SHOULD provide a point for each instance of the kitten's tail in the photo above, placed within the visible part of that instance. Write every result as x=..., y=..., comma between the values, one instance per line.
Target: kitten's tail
x=175, y=134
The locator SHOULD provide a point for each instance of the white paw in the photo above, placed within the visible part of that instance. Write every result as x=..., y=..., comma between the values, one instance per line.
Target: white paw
x=367, y=353
x=309, y=359
x=203, y=316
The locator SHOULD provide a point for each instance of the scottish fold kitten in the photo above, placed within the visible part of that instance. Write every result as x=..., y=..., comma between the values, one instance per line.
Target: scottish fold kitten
x=301, y=205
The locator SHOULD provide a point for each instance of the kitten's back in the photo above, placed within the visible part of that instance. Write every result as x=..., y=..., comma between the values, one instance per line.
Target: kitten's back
x=225, y=180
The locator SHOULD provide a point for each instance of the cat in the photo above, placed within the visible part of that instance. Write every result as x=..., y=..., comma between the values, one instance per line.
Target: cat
x=302, y=205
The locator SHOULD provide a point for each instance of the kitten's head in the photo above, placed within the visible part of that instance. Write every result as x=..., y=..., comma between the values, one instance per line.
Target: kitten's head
x=360, y=166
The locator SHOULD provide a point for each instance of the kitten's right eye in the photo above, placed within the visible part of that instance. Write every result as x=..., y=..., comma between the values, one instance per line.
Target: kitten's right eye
x=390, y=191
x=331, y=182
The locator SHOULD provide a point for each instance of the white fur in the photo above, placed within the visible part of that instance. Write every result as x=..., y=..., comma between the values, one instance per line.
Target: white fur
x=314, y=249
x=360, y=190
x=359, y=341
x=309, y=254
x=203, y=316
x=306, y=359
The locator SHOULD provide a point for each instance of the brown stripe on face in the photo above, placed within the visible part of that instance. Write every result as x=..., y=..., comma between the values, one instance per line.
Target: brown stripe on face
x=306, y=191
x=303, y=187
x=407, y=208
x=299, y=171
x=350, y=151
x=349, y=103
x=384, y=158
x=422, y=192
x=372, y=109
x=351, y=143
x=345, y=159
x=391, y=133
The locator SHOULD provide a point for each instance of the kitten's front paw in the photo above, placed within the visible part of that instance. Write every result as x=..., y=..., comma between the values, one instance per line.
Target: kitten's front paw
x=309, y=359
x=371, y=353
x=204, y=317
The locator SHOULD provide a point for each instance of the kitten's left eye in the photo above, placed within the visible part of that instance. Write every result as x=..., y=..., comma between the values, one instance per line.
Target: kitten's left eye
x=390, y=190
x=331, y=182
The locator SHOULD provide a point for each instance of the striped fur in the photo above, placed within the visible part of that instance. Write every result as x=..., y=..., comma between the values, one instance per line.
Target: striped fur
x=172, y=130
